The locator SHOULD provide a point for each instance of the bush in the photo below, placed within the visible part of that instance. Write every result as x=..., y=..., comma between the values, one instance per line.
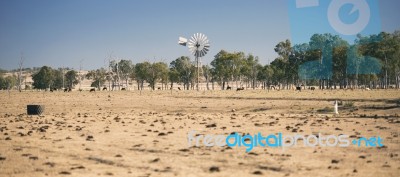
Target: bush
x=349, y=104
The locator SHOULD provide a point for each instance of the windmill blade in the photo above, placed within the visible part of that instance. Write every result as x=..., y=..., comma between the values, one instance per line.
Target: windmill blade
x=202, y=53
x=207, y=42
x=201, y=37
x=192, y=40
x=196, y=38
x=198, y=44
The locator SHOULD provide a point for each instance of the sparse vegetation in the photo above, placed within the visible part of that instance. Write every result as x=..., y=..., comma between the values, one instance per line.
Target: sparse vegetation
x=348, y=104
x=325, y=110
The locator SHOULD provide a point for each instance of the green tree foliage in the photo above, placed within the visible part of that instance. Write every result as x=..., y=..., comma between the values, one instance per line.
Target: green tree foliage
x=157, y=71
x=162, y=70
x=44, y=78
x=71, y=78
x=385, y=48
x=8, y=82
x=207, y=75
x=125, y=70
x=151, y=73
x=142, y=71
x=98, y=76
x=225, y=67
x=58, y=79
x=185, y=70
x=173, y=76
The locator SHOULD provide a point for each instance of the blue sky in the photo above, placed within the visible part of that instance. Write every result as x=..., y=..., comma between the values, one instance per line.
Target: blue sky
x=61, y=33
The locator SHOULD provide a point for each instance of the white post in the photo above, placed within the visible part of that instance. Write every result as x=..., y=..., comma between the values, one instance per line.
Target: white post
x=336, y=107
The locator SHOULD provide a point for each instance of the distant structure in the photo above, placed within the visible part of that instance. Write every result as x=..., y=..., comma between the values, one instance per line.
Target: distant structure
x=198, y=46
x=335, y=107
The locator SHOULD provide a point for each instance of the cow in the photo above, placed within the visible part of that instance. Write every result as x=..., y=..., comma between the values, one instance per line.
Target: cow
x=92, y=90
x=312, y=88
x=179, y=88
x=158, y=88
x=67, y=89
x=228, y=88
x=240, y=88
x=298, y=88
x=105, y=88
x=123, y=89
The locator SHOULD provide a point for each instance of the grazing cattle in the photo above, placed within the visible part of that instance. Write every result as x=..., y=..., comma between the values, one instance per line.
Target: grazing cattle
x=158, y=88
x=240, y=88
x=92, y=90
x=104, y=88
x=228, y=88
x=123, y=89
x=272, y=87
x=67, y=90
x=298, y=88
x=179, y=88
x=312, y=88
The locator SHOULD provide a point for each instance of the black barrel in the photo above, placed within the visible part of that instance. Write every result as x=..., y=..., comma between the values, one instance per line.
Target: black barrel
x=35, y=109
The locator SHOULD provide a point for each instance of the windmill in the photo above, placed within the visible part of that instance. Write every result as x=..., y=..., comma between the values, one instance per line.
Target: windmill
x=198, y=45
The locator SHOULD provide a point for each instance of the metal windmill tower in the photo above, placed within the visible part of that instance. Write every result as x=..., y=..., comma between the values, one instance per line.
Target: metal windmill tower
x=198, y=45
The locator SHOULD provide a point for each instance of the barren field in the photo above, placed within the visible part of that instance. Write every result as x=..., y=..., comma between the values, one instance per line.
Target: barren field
x=128, y=133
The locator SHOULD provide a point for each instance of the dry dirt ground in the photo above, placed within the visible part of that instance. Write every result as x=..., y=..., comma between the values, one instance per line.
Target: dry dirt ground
x=128, y=133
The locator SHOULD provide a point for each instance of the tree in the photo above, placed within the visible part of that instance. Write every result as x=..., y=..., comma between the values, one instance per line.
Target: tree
x=71, y=78
x=98, y=76
x=173, y=76
x=162, y=73
x=142, y=73
x=43, y=79
x=57, y=79
x=132, y=74
x=3, y=84
x=186, y=70
x=207, y=74
x=8, y=82
x=383, y=47
x=223, y=67
x=395, y=59
x=252, y=68
x=284, y=50
x=125, y=69
x=265, y=75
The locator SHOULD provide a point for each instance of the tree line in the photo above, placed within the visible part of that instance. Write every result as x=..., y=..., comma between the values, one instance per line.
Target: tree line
x=327, y=61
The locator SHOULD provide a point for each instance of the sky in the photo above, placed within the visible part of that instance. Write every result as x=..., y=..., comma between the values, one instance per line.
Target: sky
x=74, y=33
